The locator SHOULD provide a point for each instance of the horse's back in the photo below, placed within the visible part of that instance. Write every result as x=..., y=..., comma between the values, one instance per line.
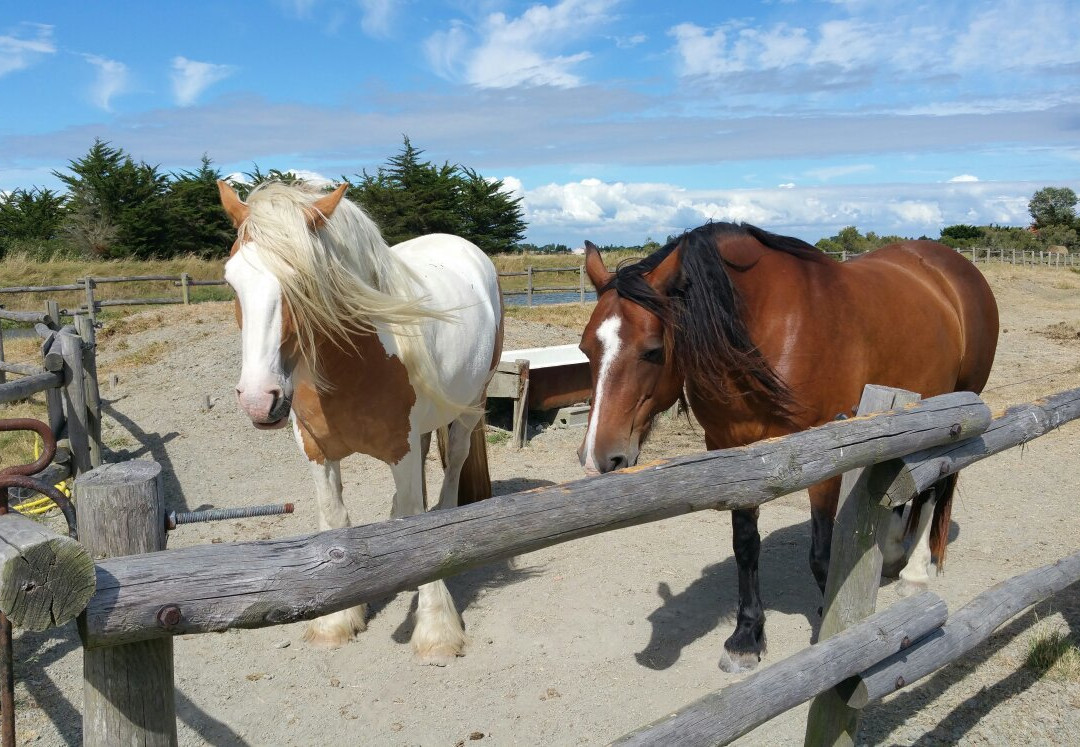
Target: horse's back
x=932, y=274
x=459, y=279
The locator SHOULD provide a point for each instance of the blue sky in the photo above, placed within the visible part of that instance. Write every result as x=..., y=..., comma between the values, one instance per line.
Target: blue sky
x=615, y=120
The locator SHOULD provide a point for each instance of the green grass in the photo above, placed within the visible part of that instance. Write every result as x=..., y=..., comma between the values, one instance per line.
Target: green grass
x=1052, y=651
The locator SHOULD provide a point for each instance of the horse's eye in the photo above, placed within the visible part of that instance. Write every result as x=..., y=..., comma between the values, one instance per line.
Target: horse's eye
x=653, y=355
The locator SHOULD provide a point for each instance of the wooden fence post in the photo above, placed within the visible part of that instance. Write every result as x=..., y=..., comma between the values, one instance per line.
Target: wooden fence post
x=128, y=690
x=75, y=409
x=90, y=310
x=3, y=374
x=529, y=287
x=184, y=288
x=854, y=571
x=85, y=327
x=581, y=285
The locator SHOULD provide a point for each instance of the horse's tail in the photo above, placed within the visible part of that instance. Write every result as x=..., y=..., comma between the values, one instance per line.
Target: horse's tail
x=939, y=528
x=475, y=481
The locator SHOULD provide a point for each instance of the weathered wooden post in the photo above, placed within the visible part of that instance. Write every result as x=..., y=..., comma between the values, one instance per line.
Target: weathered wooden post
x=854, y=571
x=581, y=282
x=85, y=327
x=185, y=291
x=54, y=399
x=3, y=374
x=89, y=283
x=70, y=347
x=529, y=287
x=128, y=690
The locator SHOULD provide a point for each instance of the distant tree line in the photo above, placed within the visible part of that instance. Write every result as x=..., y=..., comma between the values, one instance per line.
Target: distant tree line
x=117, y=207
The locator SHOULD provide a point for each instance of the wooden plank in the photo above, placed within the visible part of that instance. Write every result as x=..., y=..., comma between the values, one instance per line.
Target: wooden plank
x=136, y=302
x=75, y=410
x=24, y=317
x=28, y=386
x=88, y=336
x=40, y=288
x=854, y=572
x=45, y=579
x=965, y=629
x=128, y=691
x=520, y=427
x=131, y=279
x=726, y=715
x=23, y=369
x=257, y=584
x=504, y=382
x=907, y=476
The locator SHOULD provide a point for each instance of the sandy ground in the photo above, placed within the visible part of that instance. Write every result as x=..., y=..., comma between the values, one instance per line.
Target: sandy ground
x=579, y=643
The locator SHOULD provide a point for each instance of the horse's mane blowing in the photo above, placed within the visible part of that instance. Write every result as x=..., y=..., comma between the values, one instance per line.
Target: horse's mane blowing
x=702, y=313
x=341, y=280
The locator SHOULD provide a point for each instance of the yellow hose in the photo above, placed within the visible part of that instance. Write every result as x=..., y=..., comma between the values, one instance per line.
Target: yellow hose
x=44, y=504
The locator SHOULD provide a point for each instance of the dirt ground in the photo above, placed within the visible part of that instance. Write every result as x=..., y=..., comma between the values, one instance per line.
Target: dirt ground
x=583, y=642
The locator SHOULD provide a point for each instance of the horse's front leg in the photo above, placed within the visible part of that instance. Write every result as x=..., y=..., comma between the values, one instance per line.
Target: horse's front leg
x=336, y=628
x=438, y=635
x=743, y=650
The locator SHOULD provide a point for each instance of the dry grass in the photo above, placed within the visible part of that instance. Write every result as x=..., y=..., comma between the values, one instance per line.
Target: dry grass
x=1052, y=652
x=144, y=356
x=571, y=315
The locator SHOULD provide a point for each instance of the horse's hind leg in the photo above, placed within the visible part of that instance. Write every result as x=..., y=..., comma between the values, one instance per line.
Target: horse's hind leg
x=915, y=576
x=743, y=650
x=892, y=548
x=823, y=498
x=438, y=635
x=459, y=438
x=336, y=628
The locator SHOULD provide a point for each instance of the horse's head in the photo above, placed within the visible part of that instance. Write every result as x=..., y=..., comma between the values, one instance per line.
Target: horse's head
x=634, y=372
x=267, y=331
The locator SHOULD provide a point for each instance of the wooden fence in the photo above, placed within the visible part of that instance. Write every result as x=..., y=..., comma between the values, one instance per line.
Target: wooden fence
x=142, y=601
x=92, y=305
x=67, y=375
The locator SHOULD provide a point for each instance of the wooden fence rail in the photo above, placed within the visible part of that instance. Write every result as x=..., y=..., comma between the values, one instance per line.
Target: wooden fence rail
x=258, y=584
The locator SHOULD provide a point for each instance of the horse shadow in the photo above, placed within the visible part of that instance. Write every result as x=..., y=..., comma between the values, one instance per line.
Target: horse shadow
x=787, y=586
x=466, y=587
x=149, y=443
x=881, y=719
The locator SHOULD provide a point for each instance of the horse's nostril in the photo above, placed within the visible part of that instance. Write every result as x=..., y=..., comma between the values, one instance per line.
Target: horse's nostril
x=616, y=462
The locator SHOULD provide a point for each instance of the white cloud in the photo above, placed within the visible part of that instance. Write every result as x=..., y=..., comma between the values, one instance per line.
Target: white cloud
x=963, y=178
x=112, y=80
x=377, y=16
x=504, y=51
x=625, y=213
x=191, y=78
x=24, y=47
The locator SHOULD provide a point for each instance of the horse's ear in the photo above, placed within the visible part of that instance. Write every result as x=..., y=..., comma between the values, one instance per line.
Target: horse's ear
x=594, y=266
x=236, y=210
x=665, y=274
x=324, y=207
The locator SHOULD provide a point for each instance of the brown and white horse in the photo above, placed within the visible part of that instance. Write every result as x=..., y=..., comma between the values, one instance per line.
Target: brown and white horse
x=765, y=335
x=366, y=349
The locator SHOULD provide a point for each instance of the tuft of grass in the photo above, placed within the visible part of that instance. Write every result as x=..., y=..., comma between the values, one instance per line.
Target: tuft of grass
x=1052, y=652
x=144, y=356
x=494, y=438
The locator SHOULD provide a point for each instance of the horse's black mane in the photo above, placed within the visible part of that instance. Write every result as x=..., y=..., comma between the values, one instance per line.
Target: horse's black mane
x=702, y=312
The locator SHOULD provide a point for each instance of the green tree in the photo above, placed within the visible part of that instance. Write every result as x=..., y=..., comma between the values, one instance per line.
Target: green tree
x=961, y=235
x=1053, y=206
x=197, y=224
x=31, y=219
x=118, y=206
x=410, y=197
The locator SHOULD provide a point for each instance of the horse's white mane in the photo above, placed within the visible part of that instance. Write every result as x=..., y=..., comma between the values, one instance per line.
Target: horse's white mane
x=342, y=280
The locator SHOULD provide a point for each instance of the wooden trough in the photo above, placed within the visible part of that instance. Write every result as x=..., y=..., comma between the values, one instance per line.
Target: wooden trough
x=540, y=379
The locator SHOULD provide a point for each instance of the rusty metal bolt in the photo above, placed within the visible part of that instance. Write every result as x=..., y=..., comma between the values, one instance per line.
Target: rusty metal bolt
x=168, y=616
x=336, y=553
x=900, y=682
x=955, y=430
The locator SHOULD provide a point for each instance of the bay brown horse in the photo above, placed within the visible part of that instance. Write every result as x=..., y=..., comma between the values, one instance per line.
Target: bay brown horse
x=764, y=335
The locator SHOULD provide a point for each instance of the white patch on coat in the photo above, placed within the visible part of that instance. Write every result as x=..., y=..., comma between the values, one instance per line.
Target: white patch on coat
x=610, y=344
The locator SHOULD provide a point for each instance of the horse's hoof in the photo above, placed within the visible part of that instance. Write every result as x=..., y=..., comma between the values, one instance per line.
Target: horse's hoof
x=733, y=663
x=336, y=629
x=438, y=657
x=907, y=588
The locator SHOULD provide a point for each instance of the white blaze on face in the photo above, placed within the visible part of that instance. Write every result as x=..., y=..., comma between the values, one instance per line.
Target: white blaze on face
x=610, y=343
x=259, y=294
